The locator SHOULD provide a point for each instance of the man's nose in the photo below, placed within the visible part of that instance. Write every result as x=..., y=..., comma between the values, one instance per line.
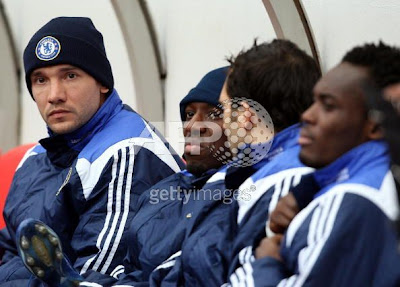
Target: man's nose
x=195, y=126
x=309, y=115
x=56, y=92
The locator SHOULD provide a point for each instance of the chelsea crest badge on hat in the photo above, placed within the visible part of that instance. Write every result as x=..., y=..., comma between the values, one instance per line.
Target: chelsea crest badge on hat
x=48, y=48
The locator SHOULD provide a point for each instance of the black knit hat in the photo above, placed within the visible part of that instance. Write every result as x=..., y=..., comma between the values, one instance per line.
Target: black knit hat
x=207, y=90
x=69, y=40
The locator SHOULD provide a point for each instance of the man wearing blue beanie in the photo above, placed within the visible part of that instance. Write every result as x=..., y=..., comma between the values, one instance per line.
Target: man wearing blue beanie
x=158, y=228
x=200, y=110
x=83, y=180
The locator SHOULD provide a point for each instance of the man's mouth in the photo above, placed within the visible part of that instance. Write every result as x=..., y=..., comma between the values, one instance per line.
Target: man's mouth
x=305, y=138
x=58, y=113
x=193, y=148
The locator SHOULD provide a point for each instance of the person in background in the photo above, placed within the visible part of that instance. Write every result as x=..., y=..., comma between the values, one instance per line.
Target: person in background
x=276, y=77
x=345, y=235
x=383, y=99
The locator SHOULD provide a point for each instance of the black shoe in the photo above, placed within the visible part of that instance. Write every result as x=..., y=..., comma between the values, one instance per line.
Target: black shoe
x=40, y=250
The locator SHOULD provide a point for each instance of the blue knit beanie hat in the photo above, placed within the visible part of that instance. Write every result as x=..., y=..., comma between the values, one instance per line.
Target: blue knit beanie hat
x=69, y=40
x=207, y=90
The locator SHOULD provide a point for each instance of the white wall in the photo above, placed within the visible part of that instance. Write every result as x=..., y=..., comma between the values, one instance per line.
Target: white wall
x=195, y=36
x=27, y=16
x=340, y=25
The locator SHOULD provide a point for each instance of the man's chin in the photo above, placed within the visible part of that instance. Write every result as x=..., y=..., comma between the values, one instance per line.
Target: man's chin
x=61, y=131
x=306, y=160
x=199, y=167
x=309, y=161
x=197, y=154
x=63, y=128
x=196, y=169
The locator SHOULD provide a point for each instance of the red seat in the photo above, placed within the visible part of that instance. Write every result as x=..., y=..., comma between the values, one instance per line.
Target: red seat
x=8, y=164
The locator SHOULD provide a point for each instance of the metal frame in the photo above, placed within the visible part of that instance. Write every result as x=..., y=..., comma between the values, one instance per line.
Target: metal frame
x=146, y=65
x=10, y=103
x=290, y=21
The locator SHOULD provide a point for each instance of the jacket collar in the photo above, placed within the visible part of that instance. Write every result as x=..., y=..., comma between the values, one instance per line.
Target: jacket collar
x=355, y=167
x=282, y=141
x=196, y=182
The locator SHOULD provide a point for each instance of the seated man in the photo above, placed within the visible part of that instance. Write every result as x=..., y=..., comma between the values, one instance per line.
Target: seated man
x=254, y=84
x=388, y=74
x=85, y=179
x=157, y=230
x=384, y=109
x=343, y=237
x=160, y=224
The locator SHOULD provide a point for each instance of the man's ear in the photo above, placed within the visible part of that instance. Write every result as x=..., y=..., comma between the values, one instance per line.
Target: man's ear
x=374, y=130
x=104, y=90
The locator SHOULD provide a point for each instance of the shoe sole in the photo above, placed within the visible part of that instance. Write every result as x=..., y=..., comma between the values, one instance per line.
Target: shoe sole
x=40, y=250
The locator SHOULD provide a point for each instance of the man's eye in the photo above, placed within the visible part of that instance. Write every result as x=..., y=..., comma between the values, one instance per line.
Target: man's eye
x=71, y=76
x=189, y=115
x=328, y=106
x=39, y=80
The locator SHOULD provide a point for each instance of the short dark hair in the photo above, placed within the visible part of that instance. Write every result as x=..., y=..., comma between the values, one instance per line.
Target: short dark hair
x=277, y=75
x=381, y=60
